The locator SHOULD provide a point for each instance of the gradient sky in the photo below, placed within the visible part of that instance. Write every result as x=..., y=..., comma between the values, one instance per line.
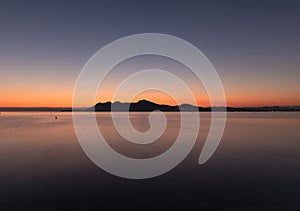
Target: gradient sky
x=254, y=45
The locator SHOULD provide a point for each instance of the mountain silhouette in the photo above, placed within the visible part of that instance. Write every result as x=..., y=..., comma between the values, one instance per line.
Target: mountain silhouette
x=142, y=105
x=146, y=105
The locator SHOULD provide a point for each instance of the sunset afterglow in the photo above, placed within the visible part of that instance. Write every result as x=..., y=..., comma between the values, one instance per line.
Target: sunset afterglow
x=256, y=57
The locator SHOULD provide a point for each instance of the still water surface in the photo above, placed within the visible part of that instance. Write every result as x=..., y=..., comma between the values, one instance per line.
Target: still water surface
x=256, y=166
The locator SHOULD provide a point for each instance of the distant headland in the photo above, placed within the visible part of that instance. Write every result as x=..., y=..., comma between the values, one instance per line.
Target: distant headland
x=147, y=106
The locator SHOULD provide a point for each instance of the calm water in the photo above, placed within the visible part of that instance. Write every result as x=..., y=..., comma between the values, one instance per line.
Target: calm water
x=256, y=166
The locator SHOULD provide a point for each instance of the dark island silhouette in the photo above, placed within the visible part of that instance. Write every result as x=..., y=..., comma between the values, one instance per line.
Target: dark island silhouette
x=142, y=105
x=148, y=106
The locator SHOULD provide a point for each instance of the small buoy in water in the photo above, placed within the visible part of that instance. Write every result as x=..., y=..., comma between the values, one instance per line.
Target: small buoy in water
x=56, y=117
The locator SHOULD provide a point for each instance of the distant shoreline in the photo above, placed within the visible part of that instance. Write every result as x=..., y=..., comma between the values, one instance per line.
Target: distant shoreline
x=148, y=106
x=33, y=109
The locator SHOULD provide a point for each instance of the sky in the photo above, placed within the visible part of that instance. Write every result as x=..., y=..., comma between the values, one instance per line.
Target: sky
x=253, y=45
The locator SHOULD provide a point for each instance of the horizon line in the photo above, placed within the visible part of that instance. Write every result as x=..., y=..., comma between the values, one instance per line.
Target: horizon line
x=70, y=107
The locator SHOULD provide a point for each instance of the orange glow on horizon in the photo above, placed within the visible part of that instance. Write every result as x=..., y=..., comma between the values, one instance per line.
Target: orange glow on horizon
x=35, y=99
x=41, y=98
x=65, y=100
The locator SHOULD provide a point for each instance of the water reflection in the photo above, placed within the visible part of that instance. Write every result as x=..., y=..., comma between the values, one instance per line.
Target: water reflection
x=257, y=165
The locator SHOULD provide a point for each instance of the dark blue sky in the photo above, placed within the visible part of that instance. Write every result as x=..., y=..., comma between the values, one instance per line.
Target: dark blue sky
x=249, y=42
